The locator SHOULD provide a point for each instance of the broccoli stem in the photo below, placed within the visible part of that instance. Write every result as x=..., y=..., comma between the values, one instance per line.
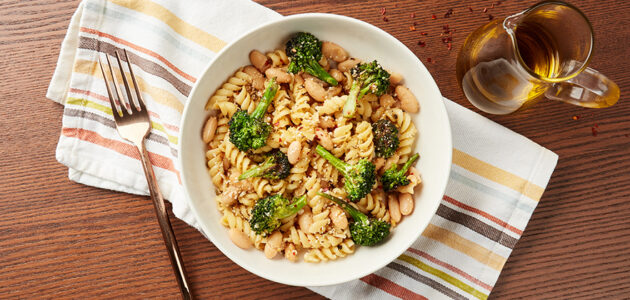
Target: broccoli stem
x=408, y=164
x=257, y=171
x=353, y=212
x=315, y=69
x=270, y=92
x=293, y=208
x=351, y=103
x=339, y=164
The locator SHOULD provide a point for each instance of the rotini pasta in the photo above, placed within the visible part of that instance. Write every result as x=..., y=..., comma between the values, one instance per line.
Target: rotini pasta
x=295, y=117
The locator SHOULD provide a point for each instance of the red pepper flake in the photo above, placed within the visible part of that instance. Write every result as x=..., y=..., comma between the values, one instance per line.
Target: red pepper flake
x=490, y=17
x=595, y=125
x=423, y=33
x=449, y=46
x=385, y=19
x=433, y=17
x=428, y=59
x=594, y=131
x=383, y=11
x=413, y=15
x=421, y=43
x=448, y=13
x=280, y=140
x=485, y=10
x=576, y=117
x=412, y=28
x=470, y=9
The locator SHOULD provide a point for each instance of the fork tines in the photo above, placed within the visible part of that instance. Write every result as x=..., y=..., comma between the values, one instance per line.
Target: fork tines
x=131, y=105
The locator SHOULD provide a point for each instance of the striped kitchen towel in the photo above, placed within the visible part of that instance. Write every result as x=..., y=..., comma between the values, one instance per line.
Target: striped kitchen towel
x=496, y=181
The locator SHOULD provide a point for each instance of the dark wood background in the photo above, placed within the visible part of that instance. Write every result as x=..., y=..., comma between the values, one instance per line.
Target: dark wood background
x=59, y=239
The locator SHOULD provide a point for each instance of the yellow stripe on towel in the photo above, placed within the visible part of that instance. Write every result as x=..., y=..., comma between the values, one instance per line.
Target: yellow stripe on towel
x=497, y=175
x=468, y=247
x=180, y=26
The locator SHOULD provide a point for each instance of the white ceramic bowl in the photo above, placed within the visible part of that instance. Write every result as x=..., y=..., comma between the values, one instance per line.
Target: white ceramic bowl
x=363, y=41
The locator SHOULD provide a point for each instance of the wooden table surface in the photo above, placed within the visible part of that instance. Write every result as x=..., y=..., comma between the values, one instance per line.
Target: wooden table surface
x=62, y=239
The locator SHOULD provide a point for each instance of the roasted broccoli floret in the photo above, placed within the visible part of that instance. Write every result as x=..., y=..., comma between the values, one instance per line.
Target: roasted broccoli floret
x=385, y=138
x=393, y=178
x=368, y=77
x=305, y=50
x=364, y=231
x=359, y=178
x=275, y=166
x=250, y=131
x=267, y=212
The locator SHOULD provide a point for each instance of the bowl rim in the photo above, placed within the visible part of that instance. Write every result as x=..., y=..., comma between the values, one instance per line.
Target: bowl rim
x=323, y=282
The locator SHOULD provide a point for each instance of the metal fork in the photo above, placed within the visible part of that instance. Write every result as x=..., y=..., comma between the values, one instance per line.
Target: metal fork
x=133, y=125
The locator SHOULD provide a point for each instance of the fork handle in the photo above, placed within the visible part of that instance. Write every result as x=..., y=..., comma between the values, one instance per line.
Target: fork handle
x=165, y=224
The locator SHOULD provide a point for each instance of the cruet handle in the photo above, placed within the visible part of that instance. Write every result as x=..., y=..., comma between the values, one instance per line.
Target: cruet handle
x=588, y=89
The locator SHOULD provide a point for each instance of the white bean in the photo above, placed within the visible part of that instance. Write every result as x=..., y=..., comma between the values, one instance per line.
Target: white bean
x=405, y=203
x=347, y=64
x=274, y=241
x=324, y=139
x=394, y=209
x=280, y=75
x=315, y=89
x=337, y=75
x=209, y=129
x=338, y=217
x=259, y=60
x=290, y=252
x=305, y=220
x=259, y=83
x=408, y=101
x=239, y=239
x=293, y=152
x=395, y=78
x=252, y=72
x=334, y=52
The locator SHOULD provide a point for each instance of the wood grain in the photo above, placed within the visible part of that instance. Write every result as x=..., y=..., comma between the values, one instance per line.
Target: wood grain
x=59, y=239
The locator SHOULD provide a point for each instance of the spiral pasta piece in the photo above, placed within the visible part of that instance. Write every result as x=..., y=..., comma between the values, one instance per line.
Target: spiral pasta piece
x=233, y=221
x=229, y=88
x=407, y=132
x=320, y=212
x=220, y=132
x=215, y=167
x=332, y=105
x=237, y=158
x=309, y=240
x=281, y=116
x=375, y=204
x=297, y=175
x=244, y=100
x=330, y=253
x=278, y=58
x=341, y=139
